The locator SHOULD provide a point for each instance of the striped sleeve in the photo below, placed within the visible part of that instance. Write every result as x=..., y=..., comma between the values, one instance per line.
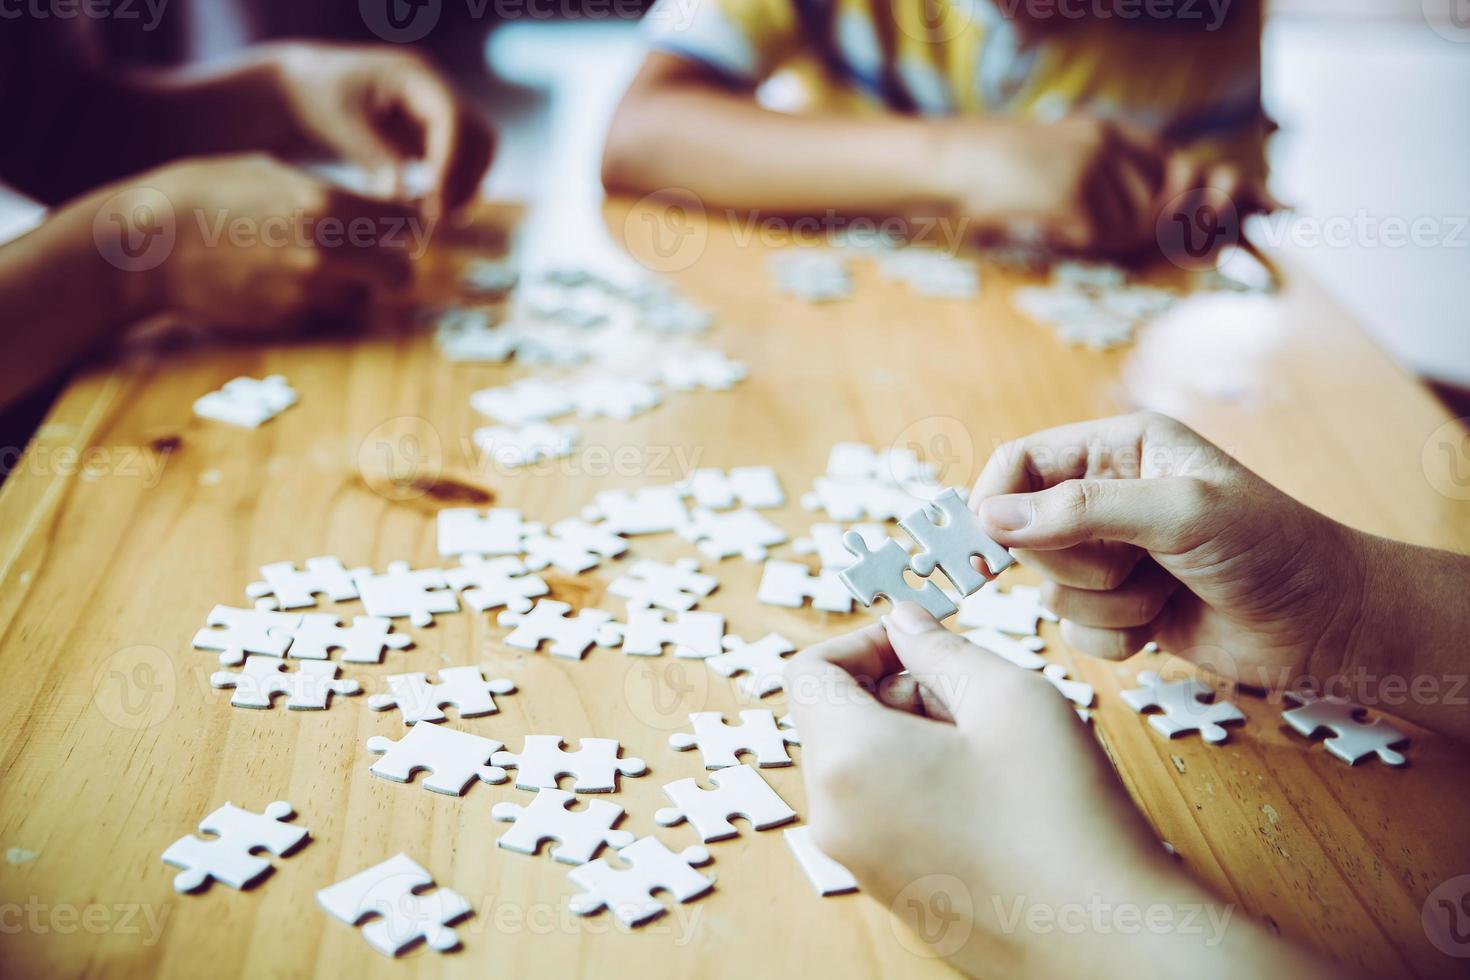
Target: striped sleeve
x=743, y=41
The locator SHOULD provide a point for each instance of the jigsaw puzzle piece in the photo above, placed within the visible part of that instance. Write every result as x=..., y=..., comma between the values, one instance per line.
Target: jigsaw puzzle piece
x=761, y=662
x=825, y=541
x=237, y=632
x=759, y=733
x=308, y=688
x=228, y=857
x=881, y=572
x=247, y=402
x=499, y=531
x=569, y=636
x=788, y=584
x=950, y=543
x=1022, y=652
x=1018, y=611
x=419, y=700
x=579, y=834
x=740, y=791
x=676, y=587
x=826, y=875
x=283, y=586
x=494, y=583
x=392, y=893
x=595, y=765
x=361, y=643
x=741, y=532
x=693, y=635
x=1352, y=738
x=628, y=894
x=647, y=510
x=403, y=591
x=452, y=758
x=513, y=446
x=1182, y=706
x=574, y=546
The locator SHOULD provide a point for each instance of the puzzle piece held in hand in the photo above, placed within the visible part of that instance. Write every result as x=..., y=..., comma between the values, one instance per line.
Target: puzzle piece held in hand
x=1017, y=611
x=308, y=688
x=741, y=532
x=490, y=584
x=393, y=892
x=499, y=531
x=654, y=583
x=595, y=765
x=759, y=733
x=570, y=636
x=241, y=631
x=628, y=894
x=787, y=583
x=949, y=546
x=1183, y=706
x=693, y=635
x=228, y=857
x=419, y=700
x=580, y=834
x=825, y=541
x=1353, y=738
x=881, y=572
x=283, y=586
x=361, y=643
x=403, y=591
x=739, y=791
x=760, y=661
x=452, y=758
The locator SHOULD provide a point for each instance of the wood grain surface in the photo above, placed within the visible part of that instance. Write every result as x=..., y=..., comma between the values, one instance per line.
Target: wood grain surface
x=129, y=518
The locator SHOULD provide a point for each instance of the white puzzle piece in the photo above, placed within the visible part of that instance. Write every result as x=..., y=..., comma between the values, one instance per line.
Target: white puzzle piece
x=789, y=584
x=393, y=894
x=493, y=583
x=740, y=791
x=285, y=587
x=825, y=541
x=573, y=546
x=247, y=402
x=403, y=591
x=236, y=632
x=514, y=446
x=613, y=398
x=420, y=700
x=761, y=662
x=628, y=894
x=709, y=369
x=1352, y=738
x=813, y=276
x=595, y=765
x=579, y=833
x=1021, y=652
x=229, y=856
x=826, y=875
x=1018, y=611
x=759, y=733
x=647, y=510
x=1080, y=693
x=307, y=688
x=569, y=636
x=949, y=539
x=523, y=402
x=693, y=635
x=750, y=486
x=738, y=532
x=854, y=500
x=895, y=466
x=452, y=758
x=881, y=572
x=499, y=531
x=361, y=643
x=1183, y=706
x=676, y=586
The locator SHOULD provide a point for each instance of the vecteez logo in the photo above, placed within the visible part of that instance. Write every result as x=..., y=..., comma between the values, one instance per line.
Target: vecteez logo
x=400, y=21
x=135, y=229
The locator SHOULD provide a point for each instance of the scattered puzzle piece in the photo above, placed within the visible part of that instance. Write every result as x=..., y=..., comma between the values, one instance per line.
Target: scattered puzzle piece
x=523, y=402
x=419, y=700
x=1353, y=739
x=1020, y=652
x=787, y=583
x=361, y=643
x=579, y=834
x=570, y=636
x=241, y=631
x=654, y=583
x=758, y=733
x=1080, y=693
x=228, y=857
x=853, y=500
x=826, y=875
x=392, y=892
x=514, y=446
x=403, y=591
x=1183, y=706
x=284, y=587
x=247, y=402
x=709, y=369
x=1018, y=611
x=573, y=546
x=452, y=758
x=693, y=635
x=499, y=531
x=495, y=583
x=949, y=546
x=825, y=541
x=739, y=791
x=614, y=398
x=881, y=572
x=739, y=532
x=595, y=765
x=647, y=510
x=628, y=894
x=760, y=661
x=751, y=486
x=308, y=688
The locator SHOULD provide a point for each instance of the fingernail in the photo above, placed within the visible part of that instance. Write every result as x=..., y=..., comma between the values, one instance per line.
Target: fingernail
x=1010, y=512
x=913, y=619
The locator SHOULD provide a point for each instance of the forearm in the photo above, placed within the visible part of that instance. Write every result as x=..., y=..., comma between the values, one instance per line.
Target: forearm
x=1408, y=653
x=729, y=152
x=61, y=298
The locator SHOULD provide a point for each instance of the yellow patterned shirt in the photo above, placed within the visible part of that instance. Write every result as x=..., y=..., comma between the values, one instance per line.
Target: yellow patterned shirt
x=1195, y=79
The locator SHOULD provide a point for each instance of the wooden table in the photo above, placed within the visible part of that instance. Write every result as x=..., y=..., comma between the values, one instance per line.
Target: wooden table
x=118, y=745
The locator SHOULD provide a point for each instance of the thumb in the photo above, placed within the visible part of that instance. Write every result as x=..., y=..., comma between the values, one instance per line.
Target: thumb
x=950, y=669
x=1166, y=515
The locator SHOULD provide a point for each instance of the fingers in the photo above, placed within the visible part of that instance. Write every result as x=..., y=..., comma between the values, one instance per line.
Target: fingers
x=1091, y=565
x=830, y=685
x=456, y=144
x=1107, y=644
x=1167, y=515
x=1135, y=602
x=1105, y=447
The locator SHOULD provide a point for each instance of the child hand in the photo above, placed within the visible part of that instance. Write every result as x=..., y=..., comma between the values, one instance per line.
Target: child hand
x=1145, y=531
x=1087, y=185
x=381, y=108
